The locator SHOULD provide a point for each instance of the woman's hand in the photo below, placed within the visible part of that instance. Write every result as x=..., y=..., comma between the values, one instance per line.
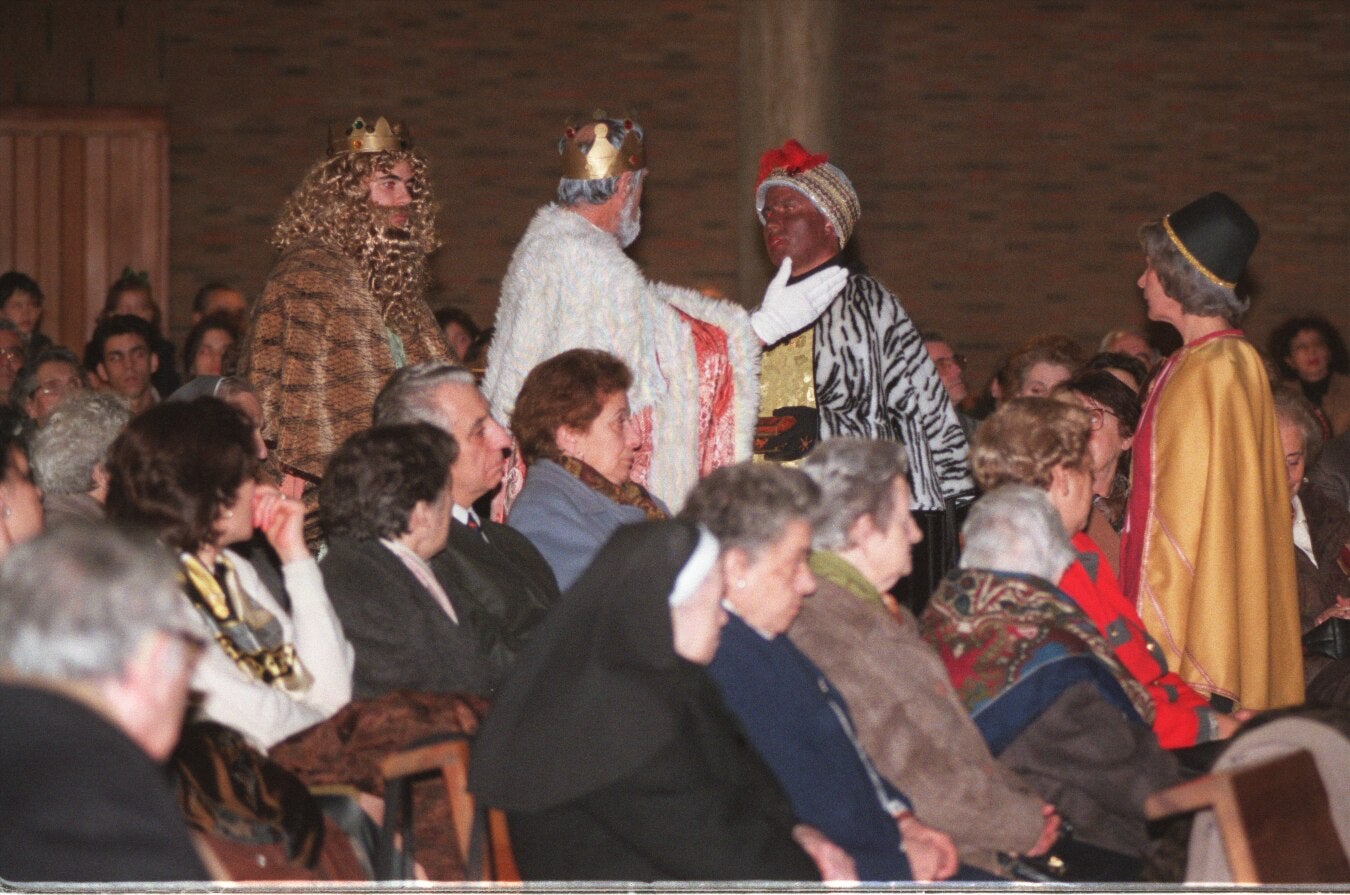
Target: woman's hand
x=833, y=862
x=1340, y=610
x=1049, y=832
x=931, y=853
x=282, y=522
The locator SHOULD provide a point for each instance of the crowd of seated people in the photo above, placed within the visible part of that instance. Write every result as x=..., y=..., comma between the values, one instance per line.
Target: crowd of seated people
x=724, y=690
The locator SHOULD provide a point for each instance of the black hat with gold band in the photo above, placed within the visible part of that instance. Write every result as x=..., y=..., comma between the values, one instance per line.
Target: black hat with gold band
x=1216, y=235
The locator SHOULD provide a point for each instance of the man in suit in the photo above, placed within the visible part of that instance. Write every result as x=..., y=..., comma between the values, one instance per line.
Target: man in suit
x=96, y=649
x=491, y=572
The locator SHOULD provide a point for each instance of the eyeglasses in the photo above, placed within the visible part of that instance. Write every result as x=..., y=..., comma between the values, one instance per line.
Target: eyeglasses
x=1099, y=417
x=59, y=388
x=11, y=353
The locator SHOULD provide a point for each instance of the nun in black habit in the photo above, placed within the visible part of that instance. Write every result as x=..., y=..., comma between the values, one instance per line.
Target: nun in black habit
x=609, y=746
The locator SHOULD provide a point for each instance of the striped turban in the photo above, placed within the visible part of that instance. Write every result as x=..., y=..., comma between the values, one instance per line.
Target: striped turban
x=815, y=178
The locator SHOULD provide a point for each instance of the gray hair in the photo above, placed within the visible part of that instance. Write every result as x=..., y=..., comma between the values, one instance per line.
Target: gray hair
x=1183, y=281
x=27, y=381
x=594, y=192
x=749, y=505
x=75, y=439
x=407, y=396
x=1015, y=528
x=855, y=476
x=76, y=602
x=1292, y=407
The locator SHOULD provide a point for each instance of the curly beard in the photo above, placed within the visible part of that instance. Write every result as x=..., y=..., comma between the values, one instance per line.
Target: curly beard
x=394, y=256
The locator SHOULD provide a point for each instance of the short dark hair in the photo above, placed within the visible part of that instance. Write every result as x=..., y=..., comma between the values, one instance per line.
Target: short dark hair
x=199, y=300
x=25, y=384
x=565, y=390
x=1119, y=360
x=131, y=281
x=117, y=325
x=177, y=466
x=12, y=281
x=376, y=477
x=1110, y=392
x=456, y=315
x=1283, y=337
x=219, y=320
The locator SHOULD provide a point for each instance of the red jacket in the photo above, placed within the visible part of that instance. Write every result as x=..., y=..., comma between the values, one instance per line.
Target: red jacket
x=1182, y=717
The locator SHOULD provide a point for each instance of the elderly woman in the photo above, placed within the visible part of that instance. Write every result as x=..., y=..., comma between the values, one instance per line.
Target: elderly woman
x=574, y=429
x=793, y=715
x=1043, y=685
x=1036, y=366
x=185, y=471
x=1322, y=539
x=1044, y=443
x=911, y=725
x=609, y=746
x=1309, y=351
x=70, y=455
x=1206, y=553
x=1115, y=414
x=21, y=517
x=385, y=505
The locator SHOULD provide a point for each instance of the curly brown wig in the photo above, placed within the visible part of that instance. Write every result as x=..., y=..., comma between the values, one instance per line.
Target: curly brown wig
x=332, y=207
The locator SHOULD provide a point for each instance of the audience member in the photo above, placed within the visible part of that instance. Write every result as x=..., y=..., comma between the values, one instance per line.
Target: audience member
x=1045, y=443
x=21, y=303
x=1042, y=684
x=70, y=456
x=385, y=505
x=220, y=298
x=1322, y=539
x=460, y=331
x=910, y=724
x=491, y=570
x=1036, y=366
x=96, y=651
x=121, y=355
x=574, y=428
x=21, y=517
x=185, y=471
x=1115, y=415
x=1131, y=342
x=130, y=295
x=51, y=376
x=1207, y=552
x=1128, y=369
x=794, y=717
x=951, y=369
x=1331, y=470
x=13, y=355
x=610, y=748
x=1309, y=351
x=211, y=348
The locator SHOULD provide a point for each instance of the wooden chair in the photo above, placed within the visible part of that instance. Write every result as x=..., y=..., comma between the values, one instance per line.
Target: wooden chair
x=484, y=844
x=1274, y=819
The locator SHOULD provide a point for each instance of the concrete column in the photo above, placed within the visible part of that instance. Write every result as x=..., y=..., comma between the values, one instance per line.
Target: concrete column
x=787, y=90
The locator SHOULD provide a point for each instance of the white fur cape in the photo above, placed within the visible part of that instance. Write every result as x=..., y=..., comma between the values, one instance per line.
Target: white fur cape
x=570, y=285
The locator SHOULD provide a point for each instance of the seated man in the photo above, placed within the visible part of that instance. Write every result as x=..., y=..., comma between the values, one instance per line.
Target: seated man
x=51, y=376
x=96, y=649
x=70, y=453
x=491, y=570
x=1042, y=685
x=122, y=354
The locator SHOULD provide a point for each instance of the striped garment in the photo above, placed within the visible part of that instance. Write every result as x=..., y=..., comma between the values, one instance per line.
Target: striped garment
x=874, y=379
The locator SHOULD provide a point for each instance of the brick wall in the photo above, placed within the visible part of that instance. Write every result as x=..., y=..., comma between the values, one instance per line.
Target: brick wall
x=1005, y=152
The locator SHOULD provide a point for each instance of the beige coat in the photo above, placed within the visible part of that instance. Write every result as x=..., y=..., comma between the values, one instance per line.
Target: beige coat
x=912, y=725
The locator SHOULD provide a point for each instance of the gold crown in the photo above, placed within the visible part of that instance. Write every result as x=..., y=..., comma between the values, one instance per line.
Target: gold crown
x=603, y=160
x=361, y=137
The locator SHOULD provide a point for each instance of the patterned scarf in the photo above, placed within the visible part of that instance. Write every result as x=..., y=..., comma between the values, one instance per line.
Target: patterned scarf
x=630, y=494
x=247, y=632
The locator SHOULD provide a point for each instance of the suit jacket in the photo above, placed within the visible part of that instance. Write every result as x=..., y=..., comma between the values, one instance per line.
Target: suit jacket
x=82, y=802
x=504, y=586
x=911, y=723
x=402, y=636
x=800, y=725
x=566, y=520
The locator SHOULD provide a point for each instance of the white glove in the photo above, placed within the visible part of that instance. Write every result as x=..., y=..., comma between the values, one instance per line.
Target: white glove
x=787, y=309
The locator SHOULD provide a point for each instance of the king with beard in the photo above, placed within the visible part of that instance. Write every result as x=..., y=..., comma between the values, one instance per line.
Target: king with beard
x=344, y=307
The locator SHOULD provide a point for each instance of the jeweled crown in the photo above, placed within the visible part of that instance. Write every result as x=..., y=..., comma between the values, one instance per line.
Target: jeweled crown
x=360, y=136
x=603, y=160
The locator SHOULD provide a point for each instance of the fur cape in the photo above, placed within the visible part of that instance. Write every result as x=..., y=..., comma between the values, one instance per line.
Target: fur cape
x=570, y=285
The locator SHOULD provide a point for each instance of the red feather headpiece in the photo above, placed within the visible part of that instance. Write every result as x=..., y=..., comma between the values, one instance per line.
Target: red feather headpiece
x=792, y=159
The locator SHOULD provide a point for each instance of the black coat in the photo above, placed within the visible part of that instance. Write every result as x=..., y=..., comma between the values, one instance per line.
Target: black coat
x=614, y=756
x=401, y=635
x=80, y=802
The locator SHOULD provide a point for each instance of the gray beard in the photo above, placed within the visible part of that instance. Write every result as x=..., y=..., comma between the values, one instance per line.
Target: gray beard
x=630, y=223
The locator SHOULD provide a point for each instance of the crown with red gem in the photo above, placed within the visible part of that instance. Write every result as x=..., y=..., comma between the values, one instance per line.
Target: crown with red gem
x=603, y=159
x=361, y=136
